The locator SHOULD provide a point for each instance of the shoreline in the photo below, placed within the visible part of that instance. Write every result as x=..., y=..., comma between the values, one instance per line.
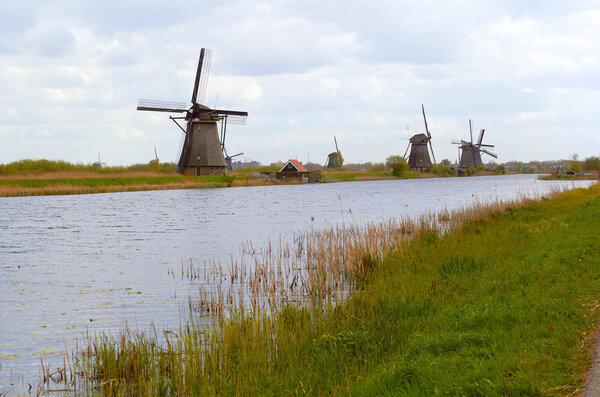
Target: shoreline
x=71, y=183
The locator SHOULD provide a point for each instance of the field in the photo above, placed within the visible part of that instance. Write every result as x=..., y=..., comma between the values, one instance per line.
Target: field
x=43, y=177
x=488, y=301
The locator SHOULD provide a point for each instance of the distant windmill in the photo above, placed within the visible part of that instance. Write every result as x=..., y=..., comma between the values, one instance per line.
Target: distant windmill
x=203, y=152
x=470, y=153
x=98, y=163
x=418, y=158
x=335, y=159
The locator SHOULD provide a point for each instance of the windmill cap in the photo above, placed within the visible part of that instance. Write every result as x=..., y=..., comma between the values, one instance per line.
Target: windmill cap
x=419, y=138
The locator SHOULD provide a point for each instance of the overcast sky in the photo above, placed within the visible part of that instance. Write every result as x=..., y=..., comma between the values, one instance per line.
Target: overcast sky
x=71, y=73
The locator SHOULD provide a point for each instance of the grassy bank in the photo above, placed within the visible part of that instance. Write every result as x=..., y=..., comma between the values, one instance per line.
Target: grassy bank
x=85, y=183
x=502, y=304
x=347, y=176
x=566, y=177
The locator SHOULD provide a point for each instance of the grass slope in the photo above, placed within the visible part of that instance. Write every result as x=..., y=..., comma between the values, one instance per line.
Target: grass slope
x=500, y=307
x=513, y=302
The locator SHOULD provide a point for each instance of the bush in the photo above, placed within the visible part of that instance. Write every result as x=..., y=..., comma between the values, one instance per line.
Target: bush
x=440, y=169
x=591, y=164
x=397, y=164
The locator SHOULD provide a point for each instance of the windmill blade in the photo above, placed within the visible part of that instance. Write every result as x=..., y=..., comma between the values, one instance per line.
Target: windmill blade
x=455, y=142
x=471, y=131
x=494, y=155
x=425, y=120
x=232, y=116
x=201, y=76
x=239, y=120
x=480, y=137
x=487, y=145
x=406, y=151
x=161, y=106
x=235, y=155
x=229, y=112
x=428, y=134
x=336, y=145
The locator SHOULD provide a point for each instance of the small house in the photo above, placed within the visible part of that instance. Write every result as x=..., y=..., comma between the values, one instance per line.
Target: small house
x=295, y=169
x=293, y=166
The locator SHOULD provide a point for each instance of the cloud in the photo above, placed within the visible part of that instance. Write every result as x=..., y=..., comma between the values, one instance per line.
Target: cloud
x=49, y=39
x=132, y=134
x=336, y=68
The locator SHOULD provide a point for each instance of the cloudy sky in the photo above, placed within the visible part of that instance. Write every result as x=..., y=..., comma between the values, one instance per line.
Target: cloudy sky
x=528, y=72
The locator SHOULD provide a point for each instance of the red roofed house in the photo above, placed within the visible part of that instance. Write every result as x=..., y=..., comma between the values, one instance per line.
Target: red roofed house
x=293, y=166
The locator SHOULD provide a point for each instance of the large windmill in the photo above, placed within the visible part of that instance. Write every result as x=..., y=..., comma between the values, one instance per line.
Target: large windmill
x=203, y=151
x=470, y=153
x=419, y=159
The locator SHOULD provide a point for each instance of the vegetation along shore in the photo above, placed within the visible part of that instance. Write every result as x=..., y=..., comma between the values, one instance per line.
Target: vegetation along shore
x=493, y=300
x=45, y=177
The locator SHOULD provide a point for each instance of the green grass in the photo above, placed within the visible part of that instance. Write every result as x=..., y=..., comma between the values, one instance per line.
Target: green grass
x=567, y=177
x=352, y=176
x=500, y=307
x=109, y=181
x=37, y=167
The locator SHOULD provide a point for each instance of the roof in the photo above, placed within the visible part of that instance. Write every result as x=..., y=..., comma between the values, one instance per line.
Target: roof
x=298, y=165
x=418, y=138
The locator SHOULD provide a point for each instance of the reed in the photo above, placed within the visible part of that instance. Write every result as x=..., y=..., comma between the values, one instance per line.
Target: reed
x=491, y=300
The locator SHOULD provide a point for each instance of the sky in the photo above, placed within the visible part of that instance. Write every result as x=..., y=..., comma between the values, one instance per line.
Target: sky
x=72, y=71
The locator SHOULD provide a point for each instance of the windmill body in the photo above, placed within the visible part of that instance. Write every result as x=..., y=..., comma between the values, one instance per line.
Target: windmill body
x=419, y=145
x=203, y=151
x=419, y=159
x=469, y=157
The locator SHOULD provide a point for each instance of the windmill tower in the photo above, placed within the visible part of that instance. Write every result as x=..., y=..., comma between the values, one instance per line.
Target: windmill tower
x=335, y=159
x=419, y=159
x=203, y=149
x=470, y=153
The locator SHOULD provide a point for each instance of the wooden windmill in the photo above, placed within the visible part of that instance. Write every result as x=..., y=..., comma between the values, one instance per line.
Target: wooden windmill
x=335, y=159
x=470, y=153
x=203, y=151
x=418, y=158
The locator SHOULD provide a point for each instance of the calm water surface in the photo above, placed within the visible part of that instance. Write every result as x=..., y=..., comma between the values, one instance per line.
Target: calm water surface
x=73, y=264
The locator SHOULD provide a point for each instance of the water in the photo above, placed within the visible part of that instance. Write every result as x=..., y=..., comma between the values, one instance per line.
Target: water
x=73, y=264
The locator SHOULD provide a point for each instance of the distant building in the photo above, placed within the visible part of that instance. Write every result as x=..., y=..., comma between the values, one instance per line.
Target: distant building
x=293, y=166
x=246, y=164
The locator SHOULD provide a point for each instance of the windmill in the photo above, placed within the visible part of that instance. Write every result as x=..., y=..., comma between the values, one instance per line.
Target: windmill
x=335, y=159
x=470, y=153
x=203, y=151
x=418, y=159
x=98, y=163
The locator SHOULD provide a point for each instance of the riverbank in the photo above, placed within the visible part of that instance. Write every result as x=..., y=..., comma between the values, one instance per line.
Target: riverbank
x=88, y=182
x=503, y=304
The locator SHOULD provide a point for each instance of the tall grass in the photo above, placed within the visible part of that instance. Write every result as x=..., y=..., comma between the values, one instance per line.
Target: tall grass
x=492, y=300
x=38, y=167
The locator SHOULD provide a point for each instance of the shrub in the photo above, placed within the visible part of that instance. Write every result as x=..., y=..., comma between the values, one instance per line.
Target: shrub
x=397, y=164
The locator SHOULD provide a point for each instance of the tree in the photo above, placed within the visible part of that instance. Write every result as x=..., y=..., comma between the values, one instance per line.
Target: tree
x=440, y=169
x=574, y=163
x=397, y=164
x=446, y=163
x=591, y=164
